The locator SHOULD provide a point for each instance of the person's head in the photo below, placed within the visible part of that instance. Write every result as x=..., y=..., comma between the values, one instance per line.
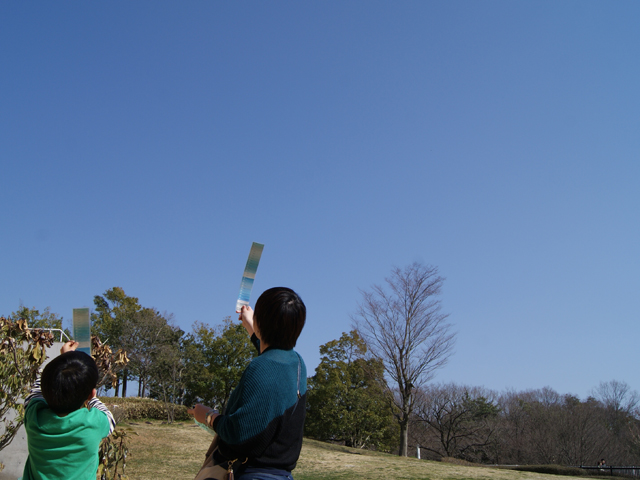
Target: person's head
x=68, y=381
x=280, y=315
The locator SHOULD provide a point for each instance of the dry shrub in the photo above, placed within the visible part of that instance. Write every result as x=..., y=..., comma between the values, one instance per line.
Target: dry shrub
x=22, y=352
x=551, y=469
x=113, y=456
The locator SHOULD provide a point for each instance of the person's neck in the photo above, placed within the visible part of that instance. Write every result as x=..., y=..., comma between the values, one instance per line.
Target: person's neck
x=263, y=346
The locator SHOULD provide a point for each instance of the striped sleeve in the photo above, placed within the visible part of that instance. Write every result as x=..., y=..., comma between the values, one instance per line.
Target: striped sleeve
x=96, y=403
x=35, y=392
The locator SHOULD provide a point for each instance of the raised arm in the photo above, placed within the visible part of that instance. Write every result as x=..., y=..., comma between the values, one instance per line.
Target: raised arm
x=35, y=391
x=246, y=317
x=96, y=403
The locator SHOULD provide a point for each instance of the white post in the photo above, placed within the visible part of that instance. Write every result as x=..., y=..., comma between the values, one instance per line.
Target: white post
x=418, y=452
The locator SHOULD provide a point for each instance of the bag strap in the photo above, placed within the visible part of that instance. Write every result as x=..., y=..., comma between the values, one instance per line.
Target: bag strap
x=299, y=367
x=298, y=387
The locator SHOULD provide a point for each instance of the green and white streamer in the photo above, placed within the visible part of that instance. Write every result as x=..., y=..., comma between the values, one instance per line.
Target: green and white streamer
x=82, y=329
x=249, y=275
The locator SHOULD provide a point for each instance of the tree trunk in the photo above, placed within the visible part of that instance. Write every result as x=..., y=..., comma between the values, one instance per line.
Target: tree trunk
x=124, y=383
x=404, y=436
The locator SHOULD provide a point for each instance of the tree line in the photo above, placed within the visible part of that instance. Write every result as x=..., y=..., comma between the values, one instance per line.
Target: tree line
x=373, y=387
x=348, y=403
x=529, y=427
x=167, y=363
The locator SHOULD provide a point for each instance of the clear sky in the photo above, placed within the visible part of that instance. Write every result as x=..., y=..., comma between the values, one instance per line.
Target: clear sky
x=147, y=144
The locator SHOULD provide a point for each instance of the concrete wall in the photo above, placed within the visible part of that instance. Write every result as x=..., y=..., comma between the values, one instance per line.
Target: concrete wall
x=14, y=456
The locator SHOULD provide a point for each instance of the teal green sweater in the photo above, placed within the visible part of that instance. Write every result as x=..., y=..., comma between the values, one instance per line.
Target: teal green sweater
x=264, y=418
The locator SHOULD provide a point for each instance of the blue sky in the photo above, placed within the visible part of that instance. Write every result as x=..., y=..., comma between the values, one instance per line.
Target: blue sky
x=146, y=145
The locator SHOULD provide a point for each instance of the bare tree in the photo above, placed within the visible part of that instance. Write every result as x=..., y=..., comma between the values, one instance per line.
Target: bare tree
x=622, y=417
x=456, y=421
x=543, y=427
x=545, y=414
x=617, y=396
x=403, y=327
x=583, y=436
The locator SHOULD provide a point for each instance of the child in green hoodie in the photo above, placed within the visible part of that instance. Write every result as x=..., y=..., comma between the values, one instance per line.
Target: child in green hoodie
x=64, y=420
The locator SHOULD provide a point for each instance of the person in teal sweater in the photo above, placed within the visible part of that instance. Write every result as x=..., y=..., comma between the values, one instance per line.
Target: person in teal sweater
x=263, y=420
x=64, y=420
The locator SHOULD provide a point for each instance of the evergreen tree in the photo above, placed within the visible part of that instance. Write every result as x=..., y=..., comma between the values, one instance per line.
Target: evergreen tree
x=113, y=312
x=346, y=401
x=216, y=358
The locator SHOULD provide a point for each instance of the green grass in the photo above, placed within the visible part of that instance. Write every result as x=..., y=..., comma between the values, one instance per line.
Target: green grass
x=177, y=452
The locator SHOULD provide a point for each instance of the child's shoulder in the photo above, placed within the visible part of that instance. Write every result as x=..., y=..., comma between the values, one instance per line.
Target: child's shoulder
x=35, y=404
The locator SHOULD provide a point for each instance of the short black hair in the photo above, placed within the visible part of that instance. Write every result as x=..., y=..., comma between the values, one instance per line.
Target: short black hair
x=280, y=315
x=67, y=381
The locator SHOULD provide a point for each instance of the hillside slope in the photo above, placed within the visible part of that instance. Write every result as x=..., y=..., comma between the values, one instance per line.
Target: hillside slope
x=177, y=451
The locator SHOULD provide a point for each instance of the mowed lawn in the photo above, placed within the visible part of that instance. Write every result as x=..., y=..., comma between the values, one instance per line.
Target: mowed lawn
x=176, y=451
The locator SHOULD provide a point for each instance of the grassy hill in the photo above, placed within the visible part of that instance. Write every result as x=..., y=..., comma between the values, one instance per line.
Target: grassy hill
x=177, y=452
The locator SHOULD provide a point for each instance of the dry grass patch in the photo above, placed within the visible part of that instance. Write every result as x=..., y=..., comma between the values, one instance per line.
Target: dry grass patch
x=327, y=462
x=158, y=450
x=177, y=451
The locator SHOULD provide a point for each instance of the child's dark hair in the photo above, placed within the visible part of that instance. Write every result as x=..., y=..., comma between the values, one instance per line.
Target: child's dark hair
x=68, y=380
x=280, y=315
